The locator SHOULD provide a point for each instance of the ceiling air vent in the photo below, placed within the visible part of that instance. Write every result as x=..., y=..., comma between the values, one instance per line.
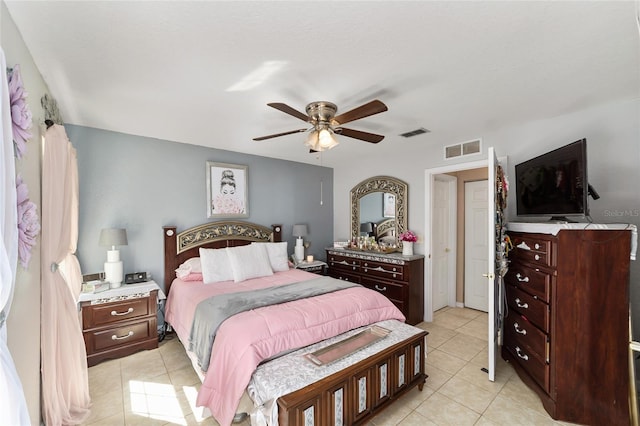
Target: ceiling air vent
x=416, y=132
x=462, y=149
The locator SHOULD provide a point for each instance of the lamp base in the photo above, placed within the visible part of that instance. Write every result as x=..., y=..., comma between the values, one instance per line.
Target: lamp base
x=113, y=270
x=299, y=250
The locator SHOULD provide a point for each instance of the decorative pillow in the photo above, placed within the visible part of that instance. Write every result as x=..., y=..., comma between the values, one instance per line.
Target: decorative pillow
x=250, y=261
x=194, y=276
x=215, y=265
x=191, y=265
x=278, y=257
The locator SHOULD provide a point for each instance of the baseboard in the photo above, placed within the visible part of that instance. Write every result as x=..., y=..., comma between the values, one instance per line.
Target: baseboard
x=459, y=305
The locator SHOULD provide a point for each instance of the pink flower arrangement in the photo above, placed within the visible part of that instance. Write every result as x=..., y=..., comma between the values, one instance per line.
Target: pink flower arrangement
x=409, y=236
x=28, y=224
x=20, y=113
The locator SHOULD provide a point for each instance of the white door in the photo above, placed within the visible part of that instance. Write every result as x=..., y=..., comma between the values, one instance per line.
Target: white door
x=443, y=241
x=476, y=210
x=496, y=223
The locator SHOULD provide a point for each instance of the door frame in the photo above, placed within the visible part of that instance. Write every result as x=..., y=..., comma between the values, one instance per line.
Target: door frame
x=452, y=183
x=429, y=177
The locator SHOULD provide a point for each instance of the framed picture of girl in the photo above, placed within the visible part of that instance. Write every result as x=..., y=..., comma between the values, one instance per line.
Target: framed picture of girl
x=227, y=190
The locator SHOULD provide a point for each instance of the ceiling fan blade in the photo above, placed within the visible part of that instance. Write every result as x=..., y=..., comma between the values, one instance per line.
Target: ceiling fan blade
x=288, y=110
x=357, y=134
x=371, y=108
x=261, y=138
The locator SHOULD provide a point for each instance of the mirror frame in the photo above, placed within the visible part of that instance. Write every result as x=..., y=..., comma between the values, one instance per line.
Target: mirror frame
x=380, y=184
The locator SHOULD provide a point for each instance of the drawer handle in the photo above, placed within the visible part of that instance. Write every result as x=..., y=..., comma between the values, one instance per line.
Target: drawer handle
x=381, y=269
x=116, y=314
x=380, y=288
x=343, y=262
x=537, y=246
x=521, y=355
x=536, y=257
x=129, y=334
x=521, y=305
x=516, y=326
x=521, y=278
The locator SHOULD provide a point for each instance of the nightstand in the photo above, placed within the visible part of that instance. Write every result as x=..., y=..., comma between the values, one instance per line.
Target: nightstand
x=317, y=267
x=120, y=321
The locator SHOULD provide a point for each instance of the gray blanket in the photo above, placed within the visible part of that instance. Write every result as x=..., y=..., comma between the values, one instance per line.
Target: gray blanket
x=211, y=312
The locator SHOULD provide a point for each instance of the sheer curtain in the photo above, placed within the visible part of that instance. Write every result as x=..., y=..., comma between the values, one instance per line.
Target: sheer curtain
x=13, y=407
x=65, y=385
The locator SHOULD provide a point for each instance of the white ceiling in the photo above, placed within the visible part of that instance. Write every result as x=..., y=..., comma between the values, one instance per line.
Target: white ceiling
x=163, y=69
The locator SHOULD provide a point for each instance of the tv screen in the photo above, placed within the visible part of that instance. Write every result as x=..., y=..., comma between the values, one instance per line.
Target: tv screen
x=554, y=183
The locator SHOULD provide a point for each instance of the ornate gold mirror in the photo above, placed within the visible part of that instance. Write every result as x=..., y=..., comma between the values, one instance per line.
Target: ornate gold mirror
x=379, y=208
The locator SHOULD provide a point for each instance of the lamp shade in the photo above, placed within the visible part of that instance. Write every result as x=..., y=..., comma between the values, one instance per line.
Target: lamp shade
x=112, y=237
x=299, y=230
x=366, y=227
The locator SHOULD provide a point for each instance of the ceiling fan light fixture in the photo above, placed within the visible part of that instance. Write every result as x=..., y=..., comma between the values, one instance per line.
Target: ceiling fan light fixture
x=326, y=139
x=312, y=141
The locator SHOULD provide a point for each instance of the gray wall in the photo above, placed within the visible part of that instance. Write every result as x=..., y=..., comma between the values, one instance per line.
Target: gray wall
x=143, y=184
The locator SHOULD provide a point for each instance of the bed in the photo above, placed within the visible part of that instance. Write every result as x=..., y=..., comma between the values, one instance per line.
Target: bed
x=235, y=323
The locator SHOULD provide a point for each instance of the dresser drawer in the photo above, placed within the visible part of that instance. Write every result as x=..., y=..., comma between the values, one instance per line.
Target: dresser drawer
x=120, y=335
x=345, y=276
x=534, y=309
x=109, y=313
x=537, y=369
x=389, y=289
x=533, y=281
x=343, y=263
x=532, y=249
x=383, y=270
x=526, y=335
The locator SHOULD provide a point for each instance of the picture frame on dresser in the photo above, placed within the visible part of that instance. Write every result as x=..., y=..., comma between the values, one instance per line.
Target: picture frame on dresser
x=227, y=190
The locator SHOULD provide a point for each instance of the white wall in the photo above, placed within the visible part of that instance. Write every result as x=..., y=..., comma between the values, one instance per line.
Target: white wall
x=23, y=323
x=613, y=138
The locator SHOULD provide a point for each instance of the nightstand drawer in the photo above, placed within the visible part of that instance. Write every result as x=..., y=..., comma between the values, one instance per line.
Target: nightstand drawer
x=122, y=334
x=109, y=313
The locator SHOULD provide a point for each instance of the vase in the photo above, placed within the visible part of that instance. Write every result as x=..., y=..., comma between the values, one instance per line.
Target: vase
x=407, y=248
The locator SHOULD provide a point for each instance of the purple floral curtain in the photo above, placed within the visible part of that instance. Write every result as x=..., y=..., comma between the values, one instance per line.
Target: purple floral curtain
x=13, y=407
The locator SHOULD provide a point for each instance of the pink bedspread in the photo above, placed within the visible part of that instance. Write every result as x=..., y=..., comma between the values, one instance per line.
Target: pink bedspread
x=246, y=339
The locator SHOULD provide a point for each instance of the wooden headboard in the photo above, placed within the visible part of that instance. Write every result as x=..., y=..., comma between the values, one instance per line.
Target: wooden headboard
x=180, y=246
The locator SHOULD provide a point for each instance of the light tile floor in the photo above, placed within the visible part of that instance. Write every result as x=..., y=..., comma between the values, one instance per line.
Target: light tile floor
x=159, y=387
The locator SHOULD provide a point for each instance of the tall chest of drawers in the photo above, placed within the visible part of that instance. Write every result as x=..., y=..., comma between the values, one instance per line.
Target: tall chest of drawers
x=400, y=278
x=566, y=330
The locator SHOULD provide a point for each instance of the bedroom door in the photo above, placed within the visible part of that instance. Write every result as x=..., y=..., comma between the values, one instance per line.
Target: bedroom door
x=496, y=264
x=475, y=245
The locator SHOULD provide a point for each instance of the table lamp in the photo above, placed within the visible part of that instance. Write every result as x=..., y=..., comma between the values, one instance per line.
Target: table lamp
x=299, y=231
x=113, y=270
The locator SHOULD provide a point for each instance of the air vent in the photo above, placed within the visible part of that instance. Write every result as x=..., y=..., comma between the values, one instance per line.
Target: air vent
x=462, y=149
x=416, y=132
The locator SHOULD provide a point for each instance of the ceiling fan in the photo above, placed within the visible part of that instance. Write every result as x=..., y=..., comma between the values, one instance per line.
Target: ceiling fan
x=326, y=124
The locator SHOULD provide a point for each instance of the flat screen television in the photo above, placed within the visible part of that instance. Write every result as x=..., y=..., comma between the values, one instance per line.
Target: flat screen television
x=554, y=184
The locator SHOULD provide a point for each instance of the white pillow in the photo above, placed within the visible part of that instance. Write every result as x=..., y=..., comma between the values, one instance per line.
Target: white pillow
x=192, y=265
x=250, y=261
x=215, y=265
x=278, y=257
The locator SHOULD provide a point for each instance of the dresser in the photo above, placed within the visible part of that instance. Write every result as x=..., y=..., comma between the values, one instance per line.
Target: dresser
x=120, y=321
x=400, y=278
x=566, y=328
